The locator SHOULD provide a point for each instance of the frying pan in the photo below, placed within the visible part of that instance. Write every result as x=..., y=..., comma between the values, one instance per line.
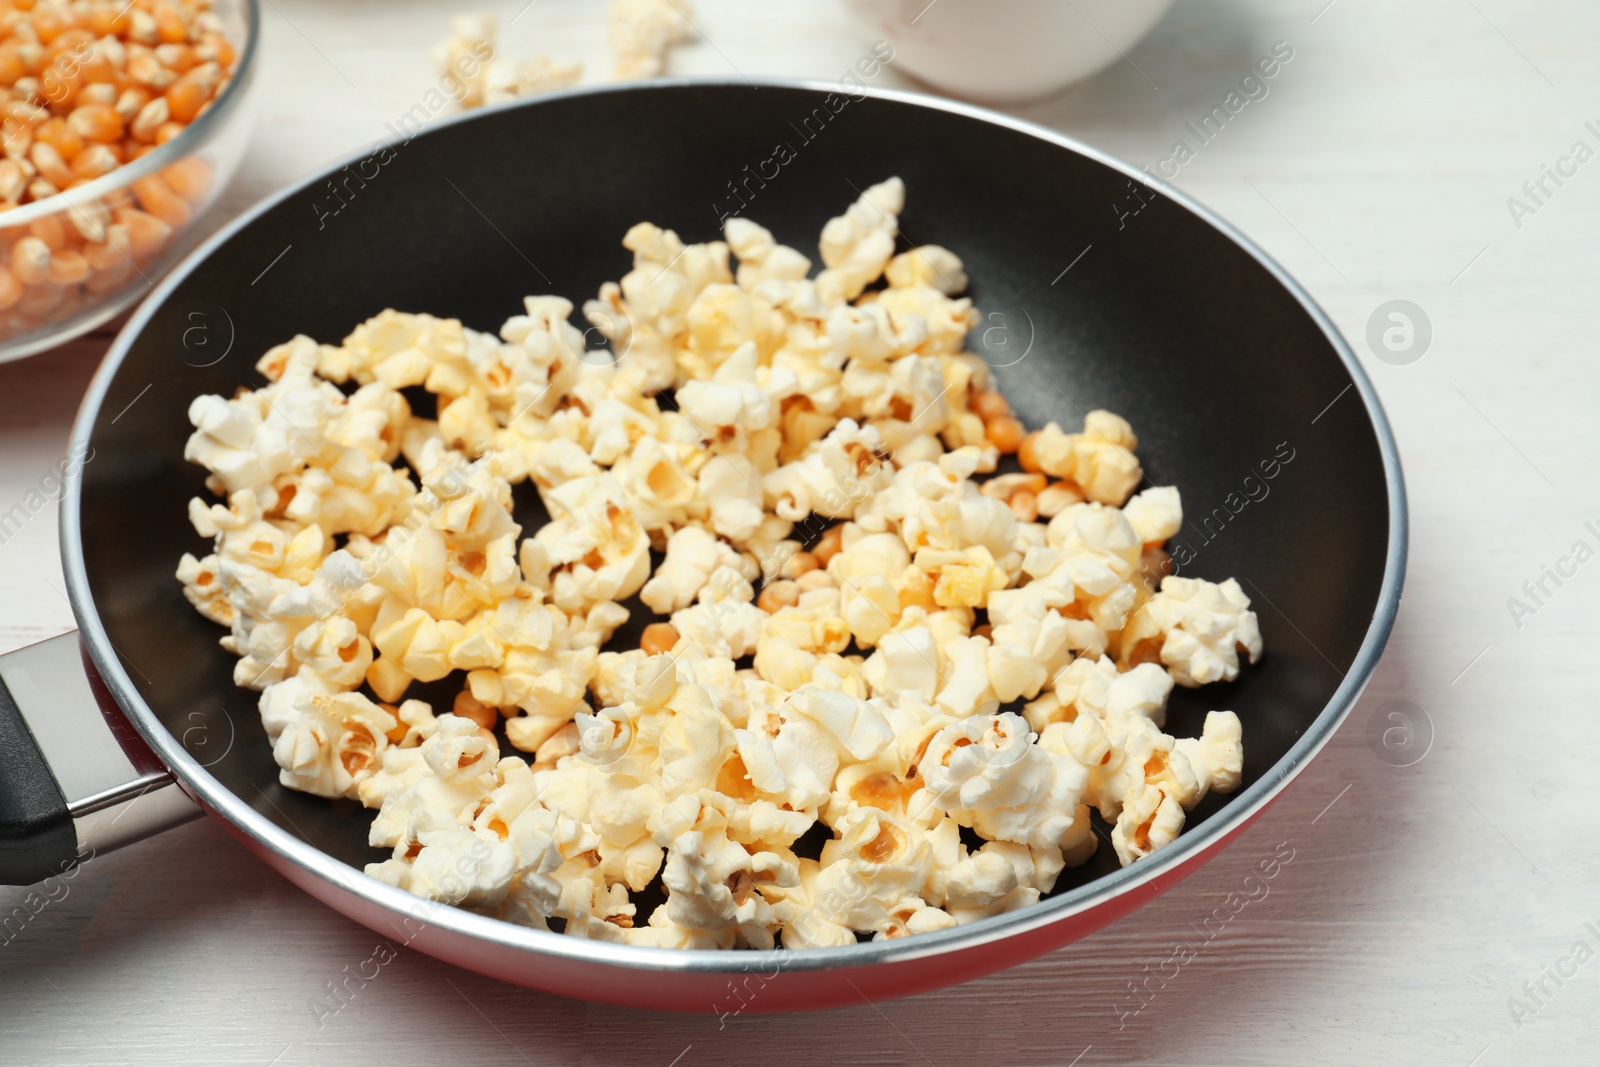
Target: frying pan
x=1099, y=288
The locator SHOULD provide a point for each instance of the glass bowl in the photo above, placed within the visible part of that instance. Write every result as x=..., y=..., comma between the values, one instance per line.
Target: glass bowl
x=176, y=183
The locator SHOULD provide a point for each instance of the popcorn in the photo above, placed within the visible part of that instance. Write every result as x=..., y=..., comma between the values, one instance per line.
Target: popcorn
x=528, y=77
x=1155, y=514
x=599, y=547
x=788, y=757
x=1197, y=629
x=464, y=54
x=202, y=587
x=439, y=785
x=591, y=907
x=475, y=75
x=729, y=628
x=931, y=266
x=692, y=557
x=857, y=246
x=731, y=487
x=454, y=866
x=761, y=257
x=1150, y=819
x=1216, y=756
x=835, y=476
x=334, y=649
x=537, y=837
x=1099, y=460
x=713, y=885
x=871, y=572
x=396, y=349
x=980, y=880
x=667, y=275
x=641, y=32
x=871, y=687
x=872, y=872
x=804, y=911
x=945, y=321
x=325, y=743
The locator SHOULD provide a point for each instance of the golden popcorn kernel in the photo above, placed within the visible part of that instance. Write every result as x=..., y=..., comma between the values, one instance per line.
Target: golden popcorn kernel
x=1027, y=455
x=658, y=637
x=1005, y=433
x=989, y=406
x=778, y=595
x=469, y=707
x=829, y=545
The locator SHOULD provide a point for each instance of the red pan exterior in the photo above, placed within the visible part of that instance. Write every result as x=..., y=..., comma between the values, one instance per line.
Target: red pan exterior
x=763, y=993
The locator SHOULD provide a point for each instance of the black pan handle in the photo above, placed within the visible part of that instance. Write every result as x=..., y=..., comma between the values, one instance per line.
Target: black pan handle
x=76, y=780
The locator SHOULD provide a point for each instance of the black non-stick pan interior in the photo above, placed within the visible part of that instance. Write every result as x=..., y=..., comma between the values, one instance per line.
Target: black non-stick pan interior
x=1161, y=318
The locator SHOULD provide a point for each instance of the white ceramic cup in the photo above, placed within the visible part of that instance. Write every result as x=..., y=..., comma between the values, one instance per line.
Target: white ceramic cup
x=1008, y=51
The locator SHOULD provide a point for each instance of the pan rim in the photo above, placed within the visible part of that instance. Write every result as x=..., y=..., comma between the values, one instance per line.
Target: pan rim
x=1237, y=812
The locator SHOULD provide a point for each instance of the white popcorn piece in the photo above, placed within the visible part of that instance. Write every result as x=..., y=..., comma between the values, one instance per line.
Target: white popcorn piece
x=857, y=245
x=1198, y=629
x=937, y=506
x=1091, y=556
x=1216, y=756
x=728, y=628
x=731, y=488
x=528, y=77
x=666, y=277
x=986, y=771
x=857, y=727
x=1095, y=688
x=1100, y=460
x=592, y=908
x=728, y=402
x=436, y=786
x=871, y=573
x=805, y=911
x=601, y=550
x=980, y=880
x=693, y=553
x=399, y=349
x=202, y=587
x=454, y=866
x=539, y=839
x=1150, y=819
x=836, y=475
x=906, y=663
x=465, y=55
x=335, y=649
x=1155, y=514
x=642, y=31
x=1036, y=868
x=788, y=758
x=324, y=743
x=714, y=884
x=761, y=257
x=931, y=266
x=872, y=873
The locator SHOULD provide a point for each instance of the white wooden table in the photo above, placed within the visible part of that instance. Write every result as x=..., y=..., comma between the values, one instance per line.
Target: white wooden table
x=1420, y=899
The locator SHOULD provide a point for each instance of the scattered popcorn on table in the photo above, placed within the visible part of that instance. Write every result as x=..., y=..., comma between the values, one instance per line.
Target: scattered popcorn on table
x=840, y=611
x=476, y=74
x=641, y=34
